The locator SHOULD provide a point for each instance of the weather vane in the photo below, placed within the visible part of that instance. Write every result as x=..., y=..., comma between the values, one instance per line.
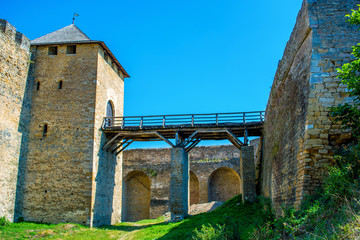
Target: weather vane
x=75, y=15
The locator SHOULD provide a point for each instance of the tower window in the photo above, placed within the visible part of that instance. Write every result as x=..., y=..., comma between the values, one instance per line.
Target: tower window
x=53, y=51
x=109, y=113
x=37, y=85
x=106, y=57
x=45, y=130
x=60, y=84
x=71, y=49
x=109, y=109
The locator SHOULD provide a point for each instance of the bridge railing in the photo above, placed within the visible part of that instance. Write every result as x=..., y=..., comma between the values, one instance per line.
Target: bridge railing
x=188, y=120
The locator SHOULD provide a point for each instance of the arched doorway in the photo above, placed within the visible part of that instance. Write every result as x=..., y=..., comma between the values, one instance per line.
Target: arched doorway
x=110, y=113
x=109, y=109
x=194, y=189
x=224, y=183
x=137, y=197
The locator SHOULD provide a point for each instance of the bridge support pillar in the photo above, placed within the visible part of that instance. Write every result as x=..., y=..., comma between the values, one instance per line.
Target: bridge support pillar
x=247, y=171
x=179, y=184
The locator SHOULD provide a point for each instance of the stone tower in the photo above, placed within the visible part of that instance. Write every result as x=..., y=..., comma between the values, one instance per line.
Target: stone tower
x=75, y=83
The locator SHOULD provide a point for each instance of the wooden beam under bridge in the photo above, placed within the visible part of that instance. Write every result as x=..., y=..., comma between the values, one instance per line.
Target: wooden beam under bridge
x=187, y=130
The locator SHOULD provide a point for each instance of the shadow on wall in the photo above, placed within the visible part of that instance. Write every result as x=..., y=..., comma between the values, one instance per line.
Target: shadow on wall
x=23, y=127
x=105, y=184
x=136, y=197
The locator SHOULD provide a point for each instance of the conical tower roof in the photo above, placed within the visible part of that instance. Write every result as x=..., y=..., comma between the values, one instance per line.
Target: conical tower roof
x=69, y=33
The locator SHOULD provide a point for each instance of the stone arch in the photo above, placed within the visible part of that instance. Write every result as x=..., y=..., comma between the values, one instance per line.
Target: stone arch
x=194, y=189
x=224, y=183
x=137, y=194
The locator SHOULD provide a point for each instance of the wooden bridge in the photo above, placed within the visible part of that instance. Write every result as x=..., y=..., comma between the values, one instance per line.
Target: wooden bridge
x=187, y=130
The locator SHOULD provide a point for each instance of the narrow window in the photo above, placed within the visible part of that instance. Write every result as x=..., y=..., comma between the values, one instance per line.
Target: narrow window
x=71, y=49
x=106, y=57
x=2, y=26
x=60, y=84
x=45, y=130
x=53, y=51
x=37, y=85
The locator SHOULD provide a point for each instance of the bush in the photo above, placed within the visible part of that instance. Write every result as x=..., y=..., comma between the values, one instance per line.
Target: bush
x=4, y=221
x=337, y=184
x=208, y=232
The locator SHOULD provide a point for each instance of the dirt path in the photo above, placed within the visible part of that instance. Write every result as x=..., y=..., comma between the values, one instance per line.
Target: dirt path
x=204, y=207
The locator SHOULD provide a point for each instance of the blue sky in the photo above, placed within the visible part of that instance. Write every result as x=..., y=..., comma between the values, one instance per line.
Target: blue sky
x=183, y=56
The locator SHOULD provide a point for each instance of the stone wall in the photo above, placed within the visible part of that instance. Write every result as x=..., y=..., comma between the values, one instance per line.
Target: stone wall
x=299, y=138
x=214, y=171
x=107, y=168
x=14, y=63
x=68, y=177
x=59, y=165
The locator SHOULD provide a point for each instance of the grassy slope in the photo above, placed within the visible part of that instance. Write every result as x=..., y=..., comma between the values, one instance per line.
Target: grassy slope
x=246, y=216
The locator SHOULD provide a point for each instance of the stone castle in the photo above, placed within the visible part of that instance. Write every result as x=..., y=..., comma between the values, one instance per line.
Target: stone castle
x=56, y=89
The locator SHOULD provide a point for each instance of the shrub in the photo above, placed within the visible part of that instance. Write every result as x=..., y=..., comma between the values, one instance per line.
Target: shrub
x=208, y=232
x=337, y=183
x=4, y=221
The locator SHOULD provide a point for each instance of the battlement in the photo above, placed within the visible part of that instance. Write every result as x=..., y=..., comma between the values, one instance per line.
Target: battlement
x=10, y=31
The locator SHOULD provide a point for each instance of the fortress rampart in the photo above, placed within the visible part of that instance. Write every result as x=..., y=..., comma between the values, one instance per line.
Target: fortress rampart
x=299, y=136
x=14, y=62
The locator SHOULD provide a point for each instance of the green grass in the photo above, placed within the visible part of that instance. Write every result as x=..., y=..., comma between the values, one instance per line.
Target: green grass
x=27, y=230
x=239, y=218
x=320, y=218
x=235, y=216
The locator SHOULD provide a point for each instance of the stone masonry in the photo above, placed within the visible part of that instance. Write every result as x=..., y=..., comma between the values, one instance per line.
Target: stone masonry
x=68, y=177
x=214, y=176
x=179, y=182
x=299, y=136
x=14, y=62
x=247, y=170
x=52, y=168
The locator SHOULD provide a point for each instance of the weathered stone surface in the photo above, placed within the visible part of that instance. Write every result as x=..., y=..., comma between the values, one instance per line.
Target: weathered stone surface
x=14, y=63
x=137, y=190
x=298, y=130
x=68, y=177
x=179, y=184
x=107, y=168
x=247, y=171
x=224, y=183
x=214, y=171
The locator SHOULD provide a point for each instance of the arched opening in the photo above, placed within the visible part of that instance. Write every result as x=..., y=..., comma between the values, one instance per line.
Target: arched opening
x=224, y=183
x=194, y=189
x=110, y=109
x=137, y=197
x=109, y=112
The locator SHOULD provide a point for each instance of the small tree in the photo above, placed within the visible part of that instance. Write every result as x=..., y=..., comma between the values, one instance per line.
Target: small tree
x=349, y=113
